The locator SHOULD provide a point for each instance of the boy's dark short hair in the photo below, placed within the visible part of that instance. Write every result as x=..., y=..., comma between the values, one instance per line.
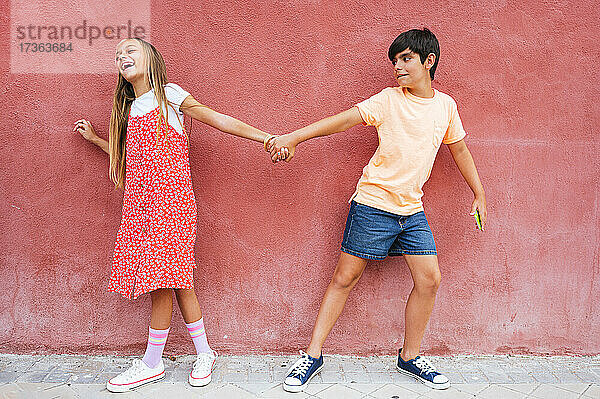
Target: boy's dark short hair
x=420, y=41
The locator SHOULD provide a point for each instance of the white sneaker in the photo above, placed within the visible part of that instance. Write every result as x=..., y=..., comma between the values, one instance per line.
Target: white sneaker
x=202, y=371
x=138, y=374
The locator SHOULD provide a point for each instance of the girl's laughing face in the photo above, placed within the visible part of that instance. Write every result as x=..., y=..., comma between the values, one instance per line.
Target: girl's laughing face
x=130, y=59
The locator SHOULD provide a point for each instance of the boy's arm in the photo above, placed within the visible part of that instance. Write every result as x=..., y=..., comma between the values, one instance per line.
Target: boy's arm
x=333, y=124
x=224, y=123
x=466, y=165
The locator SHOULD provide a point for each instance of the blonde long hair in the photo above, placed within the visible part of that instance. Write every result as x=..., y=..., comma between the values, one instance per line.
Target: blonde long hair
x=156, y=76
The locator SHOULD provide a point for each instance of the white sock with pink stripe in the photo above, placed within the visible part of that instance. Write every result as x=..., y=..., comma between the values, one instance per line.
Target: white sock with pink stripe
x=198, y=334
x=156, y=343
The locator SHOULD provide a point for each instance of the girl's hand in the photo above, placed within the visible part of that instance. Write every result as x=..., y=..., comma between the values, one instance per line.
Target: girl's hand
x=480, y=204
x=282, y=148
x=85, y=128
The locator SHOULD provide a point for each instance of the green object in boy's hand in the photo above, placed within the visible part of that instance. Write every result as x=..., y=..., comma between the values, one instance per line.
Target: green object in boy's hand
x=478, y=219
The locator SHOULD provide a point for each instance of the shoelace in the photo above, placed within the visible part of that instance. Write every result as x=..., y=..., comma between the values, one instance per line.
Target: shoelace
x=135, y=369
x=301, y=366
x=424, y=365
x=203, y=360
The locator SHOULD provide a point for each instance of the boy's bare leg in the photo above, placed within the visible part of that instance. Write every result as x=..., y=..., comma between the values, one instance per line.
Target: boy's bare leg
x=188, y=304
x=426, y=277
x=346, y=275
x=162, y=308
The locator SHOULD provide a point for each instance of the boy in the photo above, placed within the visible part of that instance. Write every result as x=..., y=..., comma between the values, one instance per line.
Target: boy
x=386, y=214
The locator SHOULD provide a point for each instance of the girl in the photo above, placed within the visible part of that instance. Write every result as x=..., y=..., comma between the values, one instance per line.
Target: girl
x=154, y=249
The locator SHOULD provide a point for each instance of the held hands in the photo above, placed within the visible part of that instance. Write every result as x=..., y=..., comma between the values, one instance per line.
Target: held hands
x=480, y=204
x=85, y=128
x=281, y=148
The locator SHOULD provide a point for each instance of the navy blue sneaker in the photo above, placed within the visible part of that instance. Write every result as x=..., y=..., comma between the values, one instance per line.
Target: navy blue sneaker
x=423, y=371
x=301, y=372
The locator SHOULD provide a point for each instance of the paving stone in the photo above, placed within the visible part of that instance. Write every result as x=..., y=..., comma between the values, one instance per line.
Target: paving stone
x=9, y=390
x=523, y=388
x=578, y=388
x=500, y=392
x=474, y=377
x=179, y=375
x=8, y=376
x=36, y=386
x=592, y=392
x=587, y=376
x=259, y=368
x=521, y=377
x=60, y=391
x=260, y=377
x=280, y=374
x=548, y=391
x=339, y=391
x=58, y=377
x=90, y=366
x=393, y=391
x=20, y=365
x=4, y=363
x=450, y=393
x=235, y=366
x=313, y=388
x=365, y=388
x=37, y=376
x=546, y=377
x=471, y=388
x=441, y=363
x=84, y=378
x=399, y=378
x=379, y=365
x=228, y=391
x=167, y=390
x=500, y=378
x=257, y=388
x=455, y=377
x=42, y=365
x=218, y=374
x=116, y=368
x=99, y=391
x=381, y=377
x=203, y=391
x=260, y=374
x=332, y=377
x=102, y=378
x=353, y=367
x=360, y=378
x=235, y=377
x=278, y=392
x=567, y=377
x=415, y=386
x=489, y=367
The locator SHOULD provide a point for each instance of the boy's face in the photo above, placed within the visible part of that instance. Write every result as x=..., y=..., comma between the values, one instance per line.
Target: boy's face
x=129, y=59
x=408, y=69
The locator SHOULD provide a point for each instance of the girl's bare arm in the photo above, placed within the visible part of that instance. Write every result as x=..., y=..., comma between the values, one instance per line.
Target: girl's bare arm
x=224, y=123
x=85, y=128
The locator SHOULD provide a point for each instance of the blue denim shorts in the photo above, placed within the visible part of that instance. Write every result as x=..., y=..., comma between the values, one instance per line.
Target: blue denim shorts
x=374, y=234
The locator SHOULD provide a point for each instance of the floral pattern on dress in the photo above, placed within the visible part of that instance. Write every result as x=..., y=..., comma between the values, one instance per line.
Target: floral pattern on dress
x=155, y=242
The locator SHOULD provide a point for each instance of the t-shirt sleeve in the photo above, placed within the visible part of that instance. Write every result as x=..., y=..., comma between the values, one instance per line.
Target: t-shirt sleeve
x=175, y=94
x=373, y=109
x=455, y=131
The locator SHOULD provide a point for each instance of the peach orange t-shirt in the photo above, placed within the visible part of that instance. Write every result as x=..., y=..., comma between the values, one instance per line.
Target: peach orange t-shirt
x=411, y=130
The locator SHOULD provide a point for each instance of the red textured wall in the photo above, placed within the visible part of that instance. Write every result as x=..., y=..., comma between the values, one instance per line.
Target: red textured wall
x=523, y=74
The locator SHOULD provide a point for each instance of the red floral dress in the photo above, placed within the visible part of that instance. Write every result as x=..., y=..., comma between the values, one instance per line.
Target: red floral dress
x=155, y=242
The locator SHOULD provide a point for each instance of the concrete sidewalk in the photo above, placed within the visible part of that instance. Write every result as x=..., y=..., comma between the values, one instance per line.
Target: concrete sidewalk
x=488, y=377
